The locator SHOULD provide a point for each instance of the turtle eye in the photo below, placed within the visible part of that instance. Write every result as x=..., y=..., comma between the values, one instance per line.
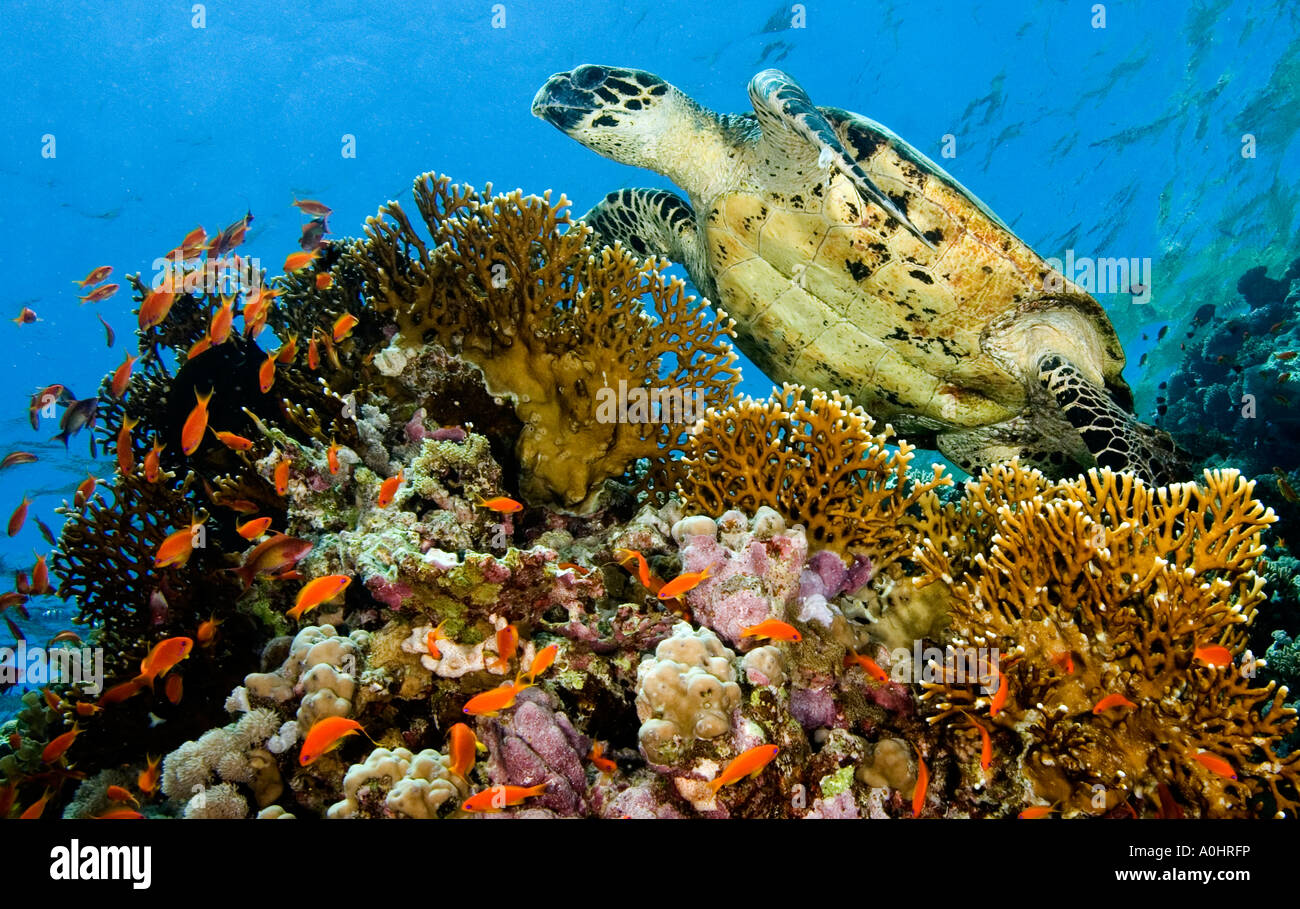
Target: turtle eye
x=588, y=76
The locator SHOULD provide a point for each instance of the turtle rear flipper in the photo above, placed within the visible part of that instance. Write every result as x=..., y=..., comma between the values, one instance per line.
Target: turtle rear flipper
x=1114, y=437
x=789, y=119
x=652, y=222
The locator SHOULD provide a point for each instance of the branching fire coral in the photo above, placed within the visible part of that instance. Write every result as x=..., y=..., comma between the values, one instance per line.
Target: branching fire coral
x=1101, y=587
x=817, y=462
x=554, y=325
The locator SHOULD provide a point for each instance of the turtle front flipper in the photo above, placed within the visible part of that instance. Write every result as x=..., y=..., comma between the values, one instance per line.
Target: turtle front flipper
x=652, y=222
x=789, y=120
x=1114, y=437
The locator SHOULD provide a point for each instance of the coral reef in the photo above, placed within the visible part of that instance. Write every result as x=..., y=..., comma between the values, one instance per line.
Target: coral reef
x=464, y=427
x=397, y=784
x=1101, y=589
x=557, y=327
x=1230, y=399
x=686, y=691
x=235, y=754
x=814, y=459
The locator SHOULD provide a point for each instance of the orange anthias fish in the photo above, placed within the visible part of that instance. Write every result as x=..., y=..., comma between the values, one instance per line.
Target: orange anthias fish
x=1000, y=696
x=681, y=584
x=432, y=638
x=19, y=517
x=1112, y=700
x=332, y=457
x=1215, y=655
x=772, y=628
x=119, y=693
x=462, y=746
x=499, y=797
x=274, y=556
x=327, y=735
x=542, y=661
x=870, y=666
x=251, y=530
x=596, y=756
x=232, y=441
x=986, y=746
x=147, y=781
x=295, y=261
x=207, y=632
x=40, y=577
x=120, y=814
x=343, y=326
x=318, y=591
x=196, y=424
x=507, y=644
x=125, y=447
x=313, y=355
x=96, y=275
x=164, y=655
x=1065, y=660
x=222, y=319
x=122, y=377
x=204, y=344
x=324, y=281
x=282, y=476
x=313, y=208
x=625, y=556
x=151, y=466
x=503, y=504
x=1035, y=812
x=256, y=306
x=922, y=784
x=266, y=373
x=17, y=457
x=174, y=689
x=749, y=763
x=26, y=316
x=287, y=350
x=155, y=308
x=54, y=750
x=389, y=489
x=1215, y=764
x=120, y=794
x=490, y=703
x=37, y=807
x=178, y=547
x=84, y=490
x=99, y=293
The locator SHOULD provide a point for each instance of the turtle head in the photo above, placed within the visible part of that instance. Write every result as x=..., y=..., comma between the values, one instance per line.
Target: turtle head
x=627, y=115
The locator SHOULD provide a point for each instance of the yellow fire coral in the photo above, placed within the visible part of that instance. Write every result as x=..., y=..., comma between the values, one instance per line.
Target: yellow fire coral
x=1084, y=590
x=555, y=326
x=817, y=461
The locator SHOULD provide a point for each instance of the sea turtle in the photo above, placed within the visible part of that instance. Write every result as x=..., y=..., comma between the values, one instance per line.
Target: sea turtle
x=851, y=261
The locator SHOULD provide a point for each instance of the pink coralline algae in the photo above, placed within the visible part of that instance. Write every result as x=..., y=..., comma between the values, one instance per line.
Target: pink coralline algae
x=840, y=807
x=390, y=593
x=827, y=577
x=750, y=579
x=534, y=743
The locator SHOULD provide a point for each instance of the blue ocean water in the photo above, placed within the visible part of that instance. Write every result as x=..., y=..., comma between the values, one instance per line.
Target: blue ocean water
x=127, y=127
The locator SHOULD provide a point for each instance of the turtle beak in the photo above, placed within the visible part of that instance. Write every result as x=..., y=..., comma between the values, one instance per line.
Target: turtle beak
x=560, y=104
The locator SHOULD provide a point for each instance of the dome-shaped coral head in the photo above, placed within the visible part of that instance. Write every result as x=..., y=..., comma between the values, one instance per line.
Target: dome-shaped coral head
x=629, y=115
